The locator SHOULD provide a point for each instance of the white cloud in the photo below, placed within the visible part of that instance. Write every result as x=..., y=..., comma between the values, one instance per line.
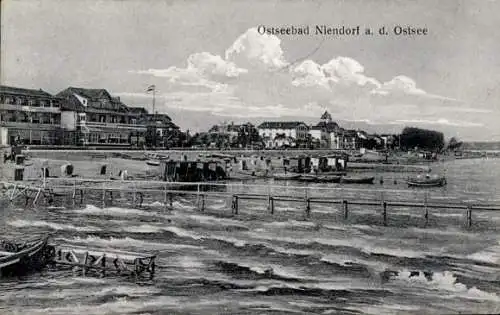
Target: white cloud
x=348, y=70
x=308, y=73
x=399, y=84
x=246, y=82
x=252, y=49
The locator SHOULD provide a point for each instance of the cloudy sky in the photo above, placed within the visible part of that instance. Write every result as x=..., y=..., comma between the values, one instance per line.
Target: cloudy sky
x=211, y=65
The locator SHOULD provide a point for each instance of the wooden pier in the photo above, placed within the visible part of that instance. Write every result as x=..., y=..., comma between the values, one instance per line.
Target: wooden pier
x=104, y=263
x=79, y=190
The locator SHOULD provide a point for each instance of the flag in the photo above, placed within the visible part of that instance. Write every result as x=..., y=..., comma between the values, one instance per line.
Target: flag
x=151, y=88
x=361, y=135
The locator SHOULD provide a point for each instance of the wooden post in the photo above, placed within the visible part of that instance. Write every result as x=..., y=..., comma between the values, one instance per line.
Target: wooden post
x=469, y=215
x=36, y=197
x=74, y=190
x=198, y=195
x=13, y=192
x=103, y=196
x=271, y=204
x=202, y=202
x=385, y=212
x=346, y=209
x=136, y=268
x=384, y=208
x=171, y=201
x=426, y=210
x=235, y=204
x=134, y=195
x=103, y=265
x=85, y=259
x=308, y=207
x=165, y=197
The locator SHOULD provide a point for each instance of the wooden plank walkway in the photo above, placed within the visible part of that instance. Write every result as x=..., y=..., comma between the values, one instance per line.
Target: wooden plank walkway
x=238, y=192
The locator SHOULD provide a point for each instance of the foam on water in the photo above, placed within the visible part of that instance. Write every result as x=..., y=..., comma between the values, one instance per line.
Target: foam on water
x=128, y=242
x=357, y=243
x=112, y=211
x=489, y=255
x=52, y=225
x=346, y=260
x=143, y=228
x=292, y=224
x=180, y=232
x=209, y=220
x=446, y=281
x=182, y=205
x=78, y=293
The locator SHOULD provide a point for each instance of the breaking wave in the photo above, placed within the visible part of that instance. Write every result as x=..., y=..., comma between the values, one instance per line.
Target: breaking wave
x=52, y=225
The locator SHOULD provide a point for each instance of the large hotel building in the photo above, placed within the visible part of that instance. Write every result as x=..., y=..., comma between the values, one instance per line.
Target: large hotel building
x=77, y=116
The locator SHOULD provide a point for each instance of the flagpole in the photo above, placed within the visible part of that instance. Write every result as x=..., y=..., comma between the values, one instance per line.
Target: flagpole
x=154, y=94
x=154, y=116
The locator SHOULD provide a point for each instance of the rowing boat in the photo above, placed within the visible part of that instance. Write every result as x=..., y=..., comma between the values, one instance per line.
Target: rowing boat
x=426, y=181
x=357, y=180
x=20, y=257
x=286, y=176
x=153, y=162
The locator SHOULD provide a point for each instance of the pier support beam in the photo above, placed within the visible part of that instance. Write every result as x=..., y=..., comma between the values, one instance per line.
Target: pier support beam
x=235, y=204
x=469, y=215
x=346, y=209
x=271, y=204
x=202, y=206
x=308, y=208
x=384, y=212
x=426, y=215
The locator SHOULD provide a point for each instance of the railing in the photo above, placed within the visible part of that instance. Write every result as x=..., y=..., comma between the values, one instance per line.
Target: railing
x=112, y=125
x=28, y=108
x=29, y=125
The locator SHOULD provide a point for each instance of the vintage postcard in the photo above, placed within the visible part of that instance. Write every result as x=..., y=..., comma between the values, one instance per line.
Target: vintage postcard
x=249, y=157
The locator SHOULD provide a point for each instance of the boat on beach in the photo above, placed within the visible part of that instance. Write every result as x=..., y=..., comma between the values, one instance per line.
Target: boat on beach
x=426, y=181
x=19, y=257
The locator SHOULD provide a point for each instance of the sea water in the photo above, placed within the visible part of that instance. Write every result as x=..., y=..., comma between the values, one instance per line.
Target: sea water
x=214, y=262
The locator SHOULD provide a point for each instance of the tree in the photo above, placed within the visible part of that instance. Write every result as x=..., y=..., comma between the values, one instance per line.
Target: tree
x=454, y=144
x=412, y=137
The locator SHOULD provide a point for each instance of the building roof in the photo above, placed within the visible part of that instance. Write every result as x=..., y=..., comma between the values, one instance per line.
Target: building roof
x=96, y=99
x=326, y=116
x=138, y=110
x=24, y=92
x=280, y=124
x=328, y=126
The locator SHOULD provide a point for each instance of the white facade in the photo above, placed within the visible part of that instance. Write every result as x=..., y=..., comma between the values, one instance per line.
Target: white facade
x=272, y=133
x=68, y=120
x=335, y=141
x=315, y=133
x=3, y=136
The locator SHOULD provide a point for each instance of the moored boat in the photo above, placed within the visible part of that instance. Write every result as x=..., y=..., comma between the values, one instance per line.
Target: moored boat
x=20, y=257
x=153, y=162
x=308, y=178
x=426, y=181
x=357, y=180
x=329, y=178
x=286, y=176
